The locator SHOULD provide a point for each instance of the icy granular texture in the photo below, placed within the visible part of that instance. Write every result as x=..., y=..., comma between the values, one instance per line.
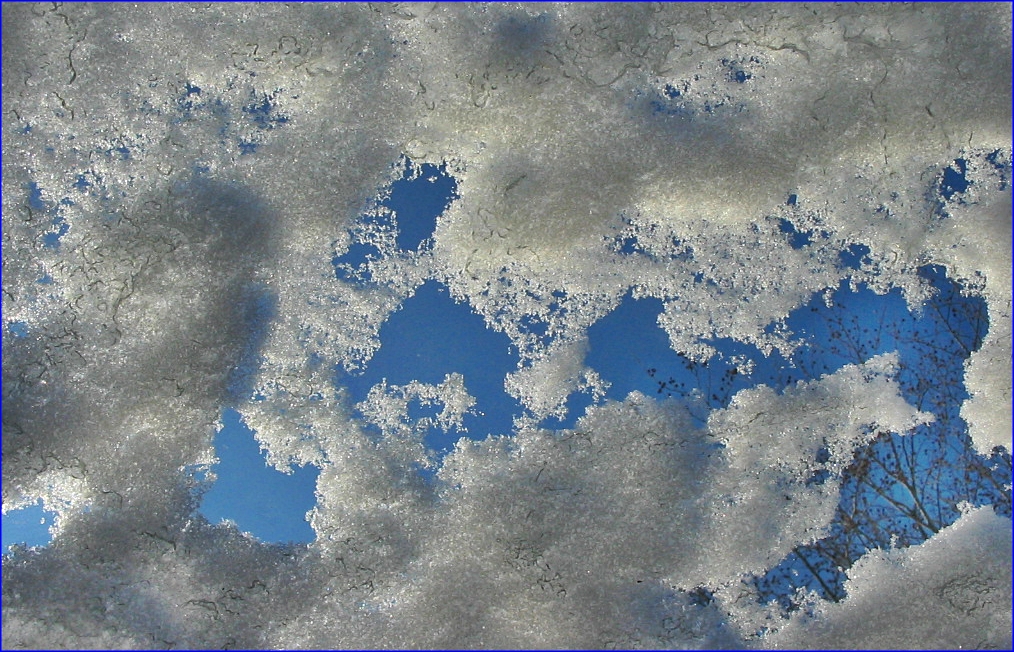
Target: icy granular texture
x=179, y=180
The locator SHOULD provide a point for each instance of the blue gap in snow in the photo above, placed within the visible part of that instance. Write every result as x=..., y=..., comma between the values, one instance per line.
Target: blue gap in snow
x=417, y=202
x=628, y=245
x=28, y=526
x=859, y=325
x=262, y=111
x=35, y=201
x=268, y=504
x=797, y=239
x=18, y=329
x=353, y=265
x=576, y=405
x=51, y=239
x=854, y=328
x=854, y=256
x=432, y=336
x=932, y=348
x=954, y=180
x=950, y=327
x=629, y=349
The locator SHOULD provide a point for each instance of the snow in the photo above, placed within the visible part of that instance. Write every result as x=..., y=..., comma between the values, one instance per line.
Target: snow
x=772, y=444
x=953, y=591
x=169, y=168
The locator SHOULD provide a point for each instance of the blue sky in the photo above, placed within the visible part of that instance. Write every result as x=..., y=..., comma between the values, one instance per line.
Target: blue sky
x=432, y=335
x=28, y=526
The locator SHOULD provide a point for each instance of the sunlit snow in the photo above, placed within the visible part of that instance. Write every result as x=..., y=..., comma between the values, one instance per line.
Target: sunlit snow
x=795, y=220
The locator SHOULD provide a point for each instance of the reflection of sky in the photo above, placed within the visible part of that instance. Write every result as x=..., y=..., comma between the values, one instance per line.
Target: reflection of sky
x=431, y=335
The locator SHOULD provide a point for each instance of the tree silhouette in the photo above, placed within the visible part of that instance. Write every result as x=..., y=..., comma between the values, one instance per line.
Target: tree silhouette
x=902, y=487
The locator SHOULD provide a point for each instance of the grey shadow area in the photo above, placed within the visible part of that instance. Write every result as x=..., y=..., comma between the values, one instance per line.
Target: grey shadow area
x=150, y=590
x=123, y=386
x=131, y=567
